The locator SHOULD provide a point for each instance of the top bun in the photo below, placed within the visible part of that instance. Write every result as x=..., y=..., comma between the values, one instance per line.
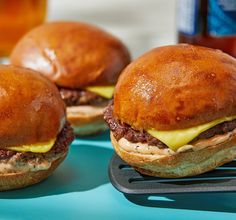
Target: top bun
x=176, y=87
x=31, y=109
x=72, y=54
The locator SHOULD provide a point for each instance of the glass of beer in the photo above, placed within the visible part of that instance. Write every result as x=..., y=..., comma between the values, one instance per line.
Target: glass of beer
x=16, y=18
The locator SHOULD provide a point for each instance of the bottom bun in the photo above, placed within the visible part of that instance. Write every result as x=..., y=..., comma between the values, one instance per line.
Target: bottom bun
x=188, y=163
x=9, y=181
x=86, y=120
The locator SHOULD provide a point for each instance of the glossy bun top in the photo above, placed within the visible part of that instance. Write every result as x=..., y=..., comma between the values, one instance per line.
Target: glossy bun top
x=31, y=109
x=176, y=87
x=72, y=54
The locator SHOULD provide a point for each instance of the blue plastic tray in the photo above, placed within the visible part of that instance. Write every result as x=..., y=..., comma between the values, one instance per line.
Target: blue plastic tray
x=80, y=189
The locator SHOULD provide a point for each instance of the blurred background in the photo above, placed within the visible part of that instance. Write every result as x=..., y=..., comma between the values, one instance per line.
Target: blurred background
x=142, y=25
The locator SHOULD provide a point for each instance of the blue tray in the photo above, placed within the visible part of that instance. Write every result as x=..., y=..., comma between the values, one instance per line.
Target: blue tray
x=80, y=189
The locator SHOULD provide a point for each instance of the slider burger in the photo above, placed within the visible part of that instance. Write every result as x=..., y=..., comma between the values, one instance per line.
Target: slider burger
x=82, y=60
x=177, y=116
x=34, y=135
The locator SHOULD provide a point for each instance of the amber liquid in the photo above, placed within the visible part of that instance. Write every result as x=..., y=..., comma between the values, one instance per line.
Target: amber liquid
x=16, y=18
x=226, y=44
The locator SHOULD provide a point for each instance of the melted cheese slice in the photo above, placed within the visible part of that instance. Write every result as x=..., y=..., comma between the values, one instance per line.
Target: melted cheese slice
x=104, y=91
x=35, y=148
x=177, y=138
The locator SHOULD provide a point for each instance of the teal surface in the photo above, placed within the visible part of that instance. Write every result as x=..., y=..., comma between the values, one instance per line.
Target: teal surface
x=80, y=189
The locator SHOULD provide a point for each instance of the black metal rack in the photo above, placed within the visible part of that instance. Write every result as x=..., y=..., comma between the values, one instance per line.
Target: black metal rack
x=129, y=181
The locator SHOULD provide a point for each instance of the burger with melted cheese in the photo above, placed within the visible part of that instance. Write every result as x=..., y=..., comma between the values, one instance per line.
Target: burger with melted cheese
x=82, y=60
x=178, y=115
x=34, y=134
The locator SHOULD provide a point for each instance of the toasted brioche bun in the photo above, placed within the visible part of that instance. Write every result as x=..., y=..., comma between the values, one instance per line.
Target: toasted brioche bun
x=9, y=181
x=31, y=109
x=182, y=164
x=72, y=54
x=176, y=87
x=31, y=112
x=86, y=120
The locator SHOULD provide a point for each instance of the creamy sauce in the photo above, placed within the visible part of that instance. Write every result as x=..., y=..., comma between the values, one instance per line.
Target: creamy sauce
x=13, y=165
x=143, y=148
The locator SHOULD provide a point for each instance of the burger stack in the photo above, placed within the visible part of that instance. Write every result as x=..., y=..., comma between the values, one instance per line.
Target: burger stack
x=83, y=61
x=171, y=114
x=34, y=133
x=178, y=115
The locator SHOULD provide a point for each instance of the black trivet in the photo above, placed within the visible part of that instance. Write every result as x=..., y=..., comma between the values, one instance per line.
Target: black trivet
x=127, y=180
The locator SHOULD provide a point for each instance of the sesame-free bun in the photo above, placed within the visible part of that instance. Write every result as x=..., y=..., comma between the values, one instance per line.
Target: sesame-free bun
x=72, y=54
x=9, y=181
x=188, y=163
x=31, y=109
x=176, y=87
x=86, y=120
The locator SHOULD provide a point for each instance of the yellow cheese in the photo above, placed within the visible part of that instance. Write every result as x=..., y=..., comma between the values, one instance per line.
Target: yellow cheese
x=104, y=91
x=35, y=148
x=177, y=138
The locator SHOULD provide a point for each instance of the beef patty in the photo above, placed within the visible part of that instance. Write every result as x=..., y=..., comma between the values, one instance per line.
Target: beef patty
x=75, y=97
x=63, y=140
x=120, y=130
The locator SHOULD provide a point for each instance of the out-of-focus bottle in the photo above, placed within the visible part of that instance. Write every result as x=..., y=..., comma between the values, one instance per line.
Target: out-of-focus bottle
x=210, y=23
x=16, y=18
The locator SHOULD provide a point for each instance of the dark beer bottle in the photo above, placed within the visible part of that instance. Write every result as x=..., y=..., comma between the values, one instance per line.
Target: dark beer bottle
x=210, y=23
